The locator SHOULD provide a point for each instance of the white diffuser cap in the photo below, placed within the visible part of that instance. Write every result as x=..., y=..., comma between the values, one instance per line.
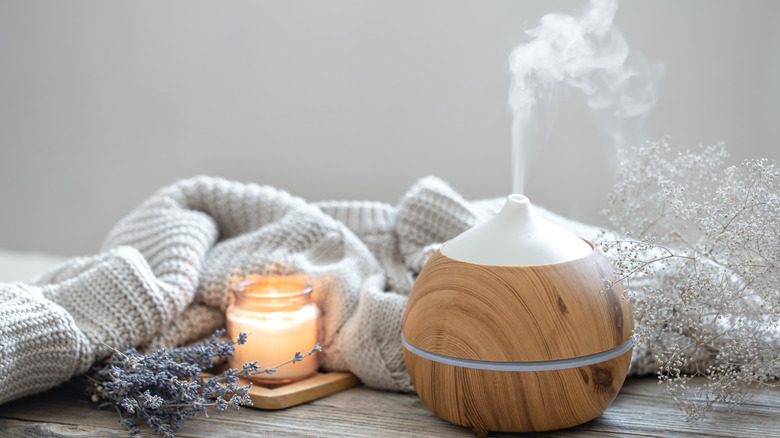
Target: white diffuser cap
x=517, y=236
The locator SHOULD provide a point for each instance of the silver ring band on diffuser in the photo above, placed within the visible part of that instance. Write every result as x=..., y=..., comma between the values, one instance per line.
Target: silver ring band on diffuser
x=541, y=365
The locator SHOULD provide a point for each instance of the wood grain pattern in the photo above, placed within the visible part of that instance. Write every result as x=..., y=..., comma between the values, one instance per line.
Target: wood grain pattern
x=517, y=401
x=517, y=314
x=641, y=409
x=520, y=314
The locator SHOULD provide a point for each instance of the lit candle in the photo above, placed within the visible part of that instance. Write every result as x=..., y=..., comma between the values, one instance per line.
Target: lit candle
x=277, y=314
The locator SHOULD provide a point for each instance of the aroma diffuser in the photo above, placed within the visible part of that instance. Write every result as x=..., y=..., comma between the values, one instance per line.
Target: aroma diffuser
x=517, y=325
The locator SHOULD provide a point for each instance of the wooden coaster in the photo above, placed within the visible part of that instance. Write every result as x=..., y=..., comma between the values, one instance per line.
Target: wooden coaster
x=296, y=393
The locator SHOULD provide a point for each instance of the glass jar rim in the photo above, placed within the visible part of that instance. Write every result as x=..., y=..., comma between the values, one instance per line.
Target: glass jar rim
x=302, y=287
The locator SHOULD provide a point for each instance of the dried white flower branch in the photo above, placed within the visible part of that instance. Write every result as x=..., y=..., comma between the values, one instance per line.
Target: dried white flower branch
x=701, y=263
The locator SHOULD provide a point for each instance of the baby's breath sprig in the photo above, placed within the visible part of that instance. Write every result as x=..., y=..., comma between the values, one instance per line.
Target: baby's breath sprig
x=165, y=387
x=701, y=263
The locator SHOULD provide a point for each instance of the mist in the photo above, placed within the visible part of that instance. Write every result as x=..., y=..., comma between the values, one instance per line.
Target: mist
x=586, y=54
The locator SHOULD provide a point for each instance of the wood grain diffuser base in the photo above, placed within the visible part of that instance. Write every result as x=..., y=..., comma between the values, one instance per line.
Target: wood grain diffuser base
x=515, y=326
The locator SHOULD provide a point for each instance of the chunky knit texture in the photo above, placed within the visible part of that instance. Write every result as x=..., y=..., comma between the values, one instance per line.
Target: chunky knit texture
x=162, y=278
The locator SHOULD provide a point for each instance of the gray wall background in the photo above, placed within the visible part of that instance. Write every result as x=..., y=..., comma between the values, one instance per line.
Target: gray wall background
x=102, y=103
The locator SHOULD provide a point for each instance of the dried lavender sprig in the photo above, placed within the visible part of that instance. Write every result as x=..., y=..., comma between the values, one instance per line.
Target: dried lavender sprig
x=165, y=387
x=252, y=369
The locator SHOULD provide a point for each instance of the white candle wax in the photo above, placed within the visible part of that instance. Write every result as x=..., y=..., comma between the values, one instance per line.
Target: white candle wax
x=274, y=338
x=277, y=315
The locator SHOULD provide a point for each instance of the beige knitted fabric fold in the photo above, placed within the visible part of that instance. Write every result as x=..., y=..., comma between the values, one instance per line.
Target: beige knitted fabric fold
x=163, y=276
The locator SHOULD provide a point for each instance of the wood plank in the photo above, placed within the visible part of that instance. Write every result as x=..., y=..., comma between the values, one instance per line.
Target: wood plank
x=642, y=409
x=19, y=428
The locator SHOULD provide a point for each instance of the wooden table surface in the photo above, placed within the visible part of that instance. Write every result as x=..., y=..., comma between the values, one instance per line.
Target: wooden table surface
x=641, y=409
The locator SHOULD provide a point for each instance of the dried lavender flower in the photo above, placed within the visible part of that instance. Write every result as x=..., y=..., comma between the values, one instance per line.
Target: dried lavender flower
x=699, y=252
x=164, y=387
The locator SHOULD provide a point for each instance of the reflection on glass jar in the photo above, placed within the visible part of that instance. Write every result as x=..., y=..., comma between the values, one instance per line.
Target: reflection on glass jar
x=277, y=314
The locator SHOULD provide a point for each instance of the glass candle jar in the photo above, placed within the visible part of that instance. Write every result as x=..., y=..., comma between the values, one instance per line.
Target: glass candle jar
x=279, y=318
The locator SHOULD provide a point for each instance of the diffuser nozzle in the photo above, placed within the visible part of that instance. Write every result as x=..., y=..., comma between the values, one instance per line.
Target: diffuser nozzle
x=516, y=236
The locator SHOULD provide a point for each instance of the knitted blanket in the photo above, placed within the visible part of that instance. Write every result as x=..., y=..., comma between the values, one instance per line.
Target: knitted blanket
x=163, y=275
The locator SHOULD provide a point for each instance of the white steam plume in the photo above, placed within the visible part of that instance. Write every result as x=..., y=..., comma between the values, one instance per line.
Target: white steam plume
x=585, y=53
